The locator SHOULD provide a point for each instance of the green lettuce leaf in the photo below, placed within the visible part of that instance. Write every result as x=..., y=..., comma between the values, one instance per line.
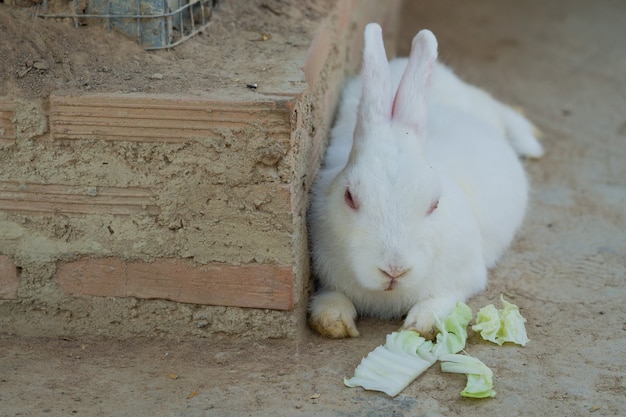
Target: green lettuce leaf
x=390, y=368
x=452, y=334
x=479, y=376
x=513, y=329
x=503, y=325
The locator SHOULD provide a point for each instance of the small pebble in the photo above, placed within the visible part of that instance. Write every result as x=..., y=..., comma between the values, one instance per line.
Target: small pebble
x=40, y=65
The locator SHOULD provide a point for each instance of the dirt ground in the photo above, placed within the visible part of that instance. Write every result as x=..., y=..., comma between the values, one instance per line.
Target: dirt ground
x=564, y=63
x=40, y=55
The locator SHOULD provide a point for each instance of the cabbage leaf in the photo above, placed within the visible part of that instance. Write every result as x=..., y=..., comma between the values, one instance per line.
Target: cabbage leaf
x=452, y=334
x=501, y=325
x=390, y=368
x=479, y=376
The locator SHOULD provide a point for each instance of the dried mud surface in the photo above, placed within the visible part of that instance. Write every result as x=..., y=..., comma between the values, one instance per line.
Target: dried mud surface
x=234, y=216
x=40, y=55
x=566, y=270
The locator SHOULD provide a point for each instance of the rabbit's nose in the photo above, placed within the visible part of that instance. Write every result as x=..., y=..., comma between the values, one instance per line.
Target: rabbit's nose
x=394, y=271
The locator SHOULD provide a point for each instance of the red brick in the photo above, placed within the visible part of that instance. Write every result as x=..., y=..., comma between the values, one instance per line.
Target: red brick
x=252, y=285
x=9, y=281
x=58, y=198
x=148, y=118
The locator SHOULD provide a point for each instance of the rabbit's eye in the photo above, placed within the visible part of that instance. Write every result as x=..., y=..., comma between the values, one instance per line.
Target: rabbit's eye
x=433, y=207
x=350, y=200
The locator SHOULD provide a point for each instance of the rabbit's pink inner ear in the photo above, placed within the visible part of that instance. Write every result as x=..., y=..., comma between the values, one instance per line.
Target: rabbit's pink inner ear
x=377, y=94
x=410, y=104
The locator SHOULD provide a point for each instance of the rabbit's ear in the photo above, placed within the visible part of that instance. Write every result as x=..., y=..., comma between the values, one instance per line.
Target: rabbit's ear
x=377, y=94
x=411, y=101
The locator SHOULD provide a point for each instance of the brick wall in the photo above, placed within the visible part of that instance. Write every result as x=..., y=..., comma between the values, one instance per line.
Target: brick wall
x=141, y=214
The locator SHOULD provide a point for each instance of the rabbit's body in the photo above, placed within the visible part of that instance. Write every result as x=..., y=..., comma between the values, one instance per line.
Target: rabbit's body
x=410, y=210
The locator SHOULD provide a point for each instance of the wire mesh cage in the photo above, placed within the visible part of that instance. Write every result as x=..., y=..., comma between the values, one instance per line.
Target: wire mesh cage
x=156, y=24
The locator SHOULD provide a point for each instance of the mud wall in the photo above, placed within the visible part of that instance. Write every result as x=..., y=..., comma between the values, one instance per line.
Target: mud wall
x=125, y=214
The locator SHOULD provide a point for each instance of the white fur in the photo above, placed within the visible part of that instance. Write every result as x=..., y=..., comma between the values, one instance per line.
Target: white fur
x=445, y=139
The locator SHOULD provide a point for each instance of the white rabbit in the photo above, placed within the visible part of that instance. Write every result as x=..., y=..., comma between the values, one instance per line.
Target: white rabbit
x=421, y=191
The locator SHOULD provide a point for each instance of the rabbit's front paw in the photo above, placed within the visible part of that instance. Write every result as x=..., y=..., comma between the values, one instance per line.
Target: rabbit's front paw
x=329, y=325
x=423, y=316
x=421, y=322
x=332, y=315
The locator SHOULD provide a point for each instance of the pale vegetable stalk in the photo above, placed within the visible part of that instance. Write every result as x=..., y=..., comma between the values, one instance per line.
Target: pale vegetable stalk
x=479, y=376
x=390, y=368
x=405, y=355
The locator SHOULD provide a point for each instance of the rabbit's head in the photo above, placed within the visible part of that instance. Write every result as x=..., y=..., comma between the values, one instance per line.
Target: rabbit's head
x=385, y=205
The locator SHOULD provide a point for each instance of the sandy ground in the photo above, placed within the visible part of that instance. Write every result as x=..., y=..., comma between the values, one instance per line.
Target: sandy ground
x=38, y=55
x=564, y=63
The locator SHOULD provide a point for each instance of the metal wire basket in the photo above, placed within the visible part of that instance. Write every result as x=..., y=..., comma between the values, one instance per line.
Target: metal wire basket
x=157, y=24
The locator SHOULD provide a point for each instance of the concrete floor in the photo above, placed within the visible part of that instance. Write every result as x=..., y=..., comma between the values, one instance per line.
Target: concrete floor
x=564, y=63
